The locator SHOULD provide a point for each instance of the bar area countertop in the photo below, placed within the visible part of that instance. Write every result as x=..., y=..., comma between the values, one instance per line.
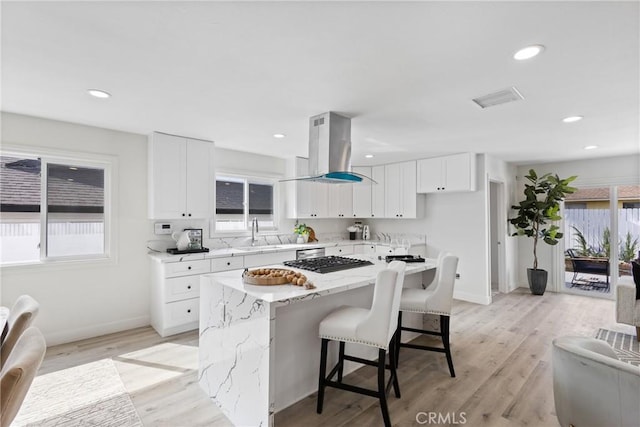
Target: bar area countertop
x=259, y=345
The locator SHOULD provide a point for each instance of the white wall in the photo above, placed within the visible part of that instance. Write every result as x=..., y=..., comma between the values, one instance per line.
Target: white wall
x=622, y=170
x=82, y=300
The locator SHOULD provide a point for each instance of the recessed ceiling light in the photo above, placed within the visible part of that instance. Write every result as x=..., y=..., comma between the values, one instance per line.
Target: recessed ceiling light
x=73, y=168
x=279, y=135
x=69, y=179
x=590, y=147
x=99, y=93
x=528, y=52
x=369, y=156
x=572, y=119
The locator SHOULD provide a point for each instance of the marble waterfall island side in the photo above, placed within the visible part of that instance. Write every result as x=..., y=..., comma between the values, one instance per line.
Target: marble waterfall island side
x=259, y=345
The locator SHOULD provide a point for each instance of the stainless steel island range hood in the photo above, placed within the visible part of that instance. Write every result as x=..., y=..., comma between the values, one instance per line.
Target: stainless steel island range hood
x=330, y=150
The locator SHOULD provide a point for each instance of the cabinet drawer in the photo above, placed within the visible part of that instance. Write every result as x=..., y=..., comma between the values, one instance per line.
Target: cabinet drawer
x=339, y=250
x=181, y=288
x=260, y=260
x=227, y=263
x=384, y=250
x=200, y=266
x=368, y=249
x=181, y=312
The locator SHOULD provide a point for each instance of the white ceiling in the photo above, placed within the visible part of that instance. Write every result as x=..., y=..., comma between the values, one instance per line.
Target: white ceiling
x=238, y=72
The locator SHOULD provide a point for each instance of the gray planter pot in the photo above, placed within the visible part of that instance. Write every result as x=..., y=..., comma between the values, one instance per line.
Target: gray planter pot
x=537, y=280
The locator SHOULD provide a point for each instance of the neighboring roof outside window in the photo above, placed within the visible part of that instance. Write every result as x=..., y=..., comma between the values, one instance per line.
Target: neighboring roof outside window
x=20, y=187
x=229, y=197
x=260, y=199
x=625, y=192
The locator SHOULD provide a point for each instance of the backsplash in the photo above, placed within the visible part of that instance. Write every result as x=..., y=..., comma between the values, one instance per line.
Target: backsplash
x=161, y=243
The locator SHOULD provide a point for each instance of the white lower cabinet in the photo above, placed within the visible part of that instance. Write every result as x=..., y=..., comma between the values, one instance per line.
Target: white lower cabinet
x=258, y=260
x=339, y=250
x=182, y=314
x=384, y=250
x=175, y=295
x=227, y=263
x=365, y=248
x=181, y=288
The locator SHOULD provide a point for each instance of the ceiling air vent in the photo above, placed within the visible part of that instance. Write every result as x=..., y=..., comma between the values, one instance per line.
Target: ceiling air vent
x=500, y=97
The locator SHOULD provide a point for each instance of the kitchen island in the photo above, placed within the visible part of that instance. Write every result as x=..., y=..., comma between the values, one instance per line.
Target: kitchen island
x=259, y=345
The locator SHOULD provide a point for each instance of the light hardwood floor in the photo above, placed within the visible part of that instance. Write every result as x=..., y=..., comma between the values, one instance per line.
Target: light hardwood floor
x=501, y=353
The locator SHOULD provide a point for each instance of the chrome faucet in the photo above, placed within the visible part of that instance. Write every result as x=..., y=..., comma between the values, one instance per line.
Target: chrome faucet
x=254, y=231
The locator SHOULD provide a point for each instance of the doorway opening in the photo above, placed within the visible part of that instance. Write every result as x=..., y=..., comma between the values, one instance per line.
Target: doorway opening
x=497, y=232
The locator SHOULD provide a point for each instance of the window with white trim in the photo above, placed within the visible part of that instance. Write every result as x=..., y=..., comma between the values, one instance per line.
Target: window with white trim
x=53, y=208
x=239, y=199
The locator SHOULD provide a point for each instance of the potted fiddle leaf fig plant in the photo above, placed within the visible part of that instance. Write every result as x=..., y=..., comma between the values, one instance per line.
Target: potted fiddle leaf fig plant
x=535, y=217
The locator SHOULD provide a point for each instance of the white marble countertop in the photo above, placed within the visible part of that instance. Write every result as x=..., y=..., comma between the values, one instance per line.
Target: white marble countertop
x=325, y=283
x=251, y=250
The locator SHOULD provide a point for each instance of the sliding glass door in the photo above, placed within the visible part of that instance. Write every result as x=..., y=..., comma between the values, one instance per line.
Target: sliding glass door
x=602, y=236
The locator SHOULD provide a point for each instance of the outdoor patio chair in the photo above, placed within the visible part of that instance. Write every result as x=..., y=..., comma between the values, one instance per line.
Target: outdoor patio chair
x=588, y=265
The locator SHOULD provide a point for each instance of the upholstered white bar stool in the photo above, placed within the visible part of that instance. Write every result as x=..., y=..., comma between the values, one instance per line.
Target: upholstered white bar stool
x=436, y=299
x=375, y=327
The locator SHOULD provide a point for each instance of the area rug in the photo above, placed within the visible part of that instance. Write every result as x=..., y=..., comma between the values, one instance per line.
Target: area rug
x=626, y=346
x=87, y=395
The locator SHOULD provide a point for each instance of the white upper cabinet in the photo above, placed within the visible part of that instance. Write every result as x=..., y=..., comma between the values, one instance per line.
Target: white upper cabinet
x=305, y=199
x=181, y=177
x=362, y=194
x=368, y=198
x=400, y=190
x=378, y=192
x=447, y=174
x=340, y=200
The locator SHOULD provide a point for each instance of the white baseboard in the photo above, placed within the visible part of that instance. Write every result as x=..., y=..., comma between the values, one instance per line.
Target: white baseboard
x=478, y=299
x=71, y=335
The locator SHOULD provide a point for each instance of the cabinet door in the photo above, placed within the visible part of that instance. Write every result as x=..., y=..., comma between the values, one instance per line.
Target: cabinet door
x=400, y=190
x=362, y=194
x=167, y=176
x=393, y=197
x=459, y=172
x=430, y=175
x=340, y=200
x=200, y=179
x=378, y=192
x=309, y=198
x=301, y=197
x=318, y=199
x=408, y=190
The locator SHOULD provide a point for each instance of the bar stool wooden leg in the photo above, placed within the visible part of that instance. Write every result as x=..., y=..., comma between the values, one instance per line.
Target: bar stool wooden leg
x=444, y=330
x=323, y=374
x=382, y=356
x=393, y=364
x=398, y=338
x=341, y=361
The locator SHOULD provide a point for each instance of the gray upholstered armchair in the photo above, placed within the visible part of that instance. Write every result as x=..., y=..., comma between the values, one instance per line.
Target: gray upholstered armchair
x=627, y=306
x=591, y=387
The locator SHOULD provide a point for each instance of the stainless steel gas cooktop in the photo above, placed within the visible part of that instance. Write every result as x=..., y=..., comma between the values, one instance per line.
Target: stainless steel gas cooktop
x=327, y=264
